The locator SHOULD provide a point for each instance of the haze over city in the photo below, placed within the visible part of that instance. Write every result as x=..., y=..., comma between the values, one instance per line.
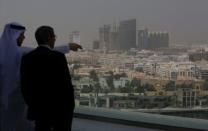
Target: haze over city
x=185, y=19
x=139, y=56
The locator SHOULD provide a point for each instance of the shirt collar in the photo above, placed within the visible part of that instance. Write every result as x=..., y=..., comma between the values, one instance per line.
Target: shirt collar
x=47, y=46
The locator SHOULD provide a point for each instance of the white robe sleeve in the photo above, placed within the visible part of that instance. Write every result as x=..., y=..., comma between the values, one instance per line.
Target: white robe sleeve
x=63, y=48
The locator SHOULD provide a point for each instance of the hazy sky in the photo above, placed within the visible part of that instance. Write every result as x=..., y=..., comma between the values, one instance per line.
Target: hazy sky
x=186, y=20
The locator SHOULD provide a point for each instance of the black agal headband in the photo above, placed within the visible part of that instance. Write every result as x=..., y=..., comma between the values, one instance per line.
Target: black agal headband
x=17, y=27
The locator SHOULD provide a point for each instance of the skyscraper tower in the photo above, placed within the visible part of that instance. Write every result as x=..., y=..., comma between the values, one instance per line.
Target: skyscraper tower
x=142, y=37
x=74, y=37
x=114, y=38
x=104, y=37
x=127, y=34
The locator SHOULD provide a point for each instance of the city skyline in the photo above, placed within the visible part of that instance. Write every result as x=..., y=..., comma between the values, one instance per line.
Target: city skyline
x=184, y=19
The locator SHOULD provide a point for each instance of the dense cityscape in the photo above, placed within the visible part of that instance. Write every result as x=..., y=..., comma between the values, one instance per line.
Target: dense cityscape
x=136, y=69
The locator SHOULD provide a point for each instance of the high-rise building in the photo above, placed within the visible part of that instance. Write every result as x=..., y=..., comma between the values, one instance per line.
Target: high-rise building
x=74, y=37
x=127, y=34
x=165, y=40
x=96, y=45
x=152, y=40
x=114, y=38
x=104, y=37
x=142, y=39
x=158, y=40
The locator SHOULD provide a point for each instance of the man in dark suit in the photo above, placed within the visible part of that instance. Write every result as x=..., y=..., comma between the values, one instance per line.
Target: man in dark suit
x=46, y=85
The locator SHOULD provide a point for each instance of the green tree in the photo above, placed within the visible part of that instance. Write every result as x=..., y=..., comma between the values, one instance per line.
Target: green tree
x=76, y=77
x=140, y=89
x=106, y=91
x=185, y=85
x=123, y=75
x=170, y=86
x=118, y=76
x=139, y=69
x=135, y=83
x=97, y=87
x=95, y=83
x=87, y=89
x=93, y=76
x=109, y=80
x=76, y=66
x=205, y=85
x=149, y=87
x=129, y=88
x=124, y=90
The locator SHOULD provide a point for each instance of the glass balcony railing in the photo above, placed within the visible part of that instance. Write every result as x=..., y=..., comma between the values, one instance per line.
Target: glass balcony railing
x=137, y=119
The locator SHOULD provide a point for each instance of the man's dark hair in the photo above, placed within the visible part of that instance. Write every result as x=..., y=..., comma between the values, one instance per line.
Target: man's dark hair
x=43, y=33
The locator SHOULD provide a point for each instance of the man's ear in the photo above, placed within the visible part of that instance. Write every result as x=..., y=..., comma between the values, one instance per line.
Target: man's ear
x=49, y=39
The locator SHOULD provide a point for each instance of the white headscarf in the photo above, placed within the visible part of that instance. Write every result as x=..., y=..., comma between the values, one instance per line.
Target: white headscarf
x=10, y=59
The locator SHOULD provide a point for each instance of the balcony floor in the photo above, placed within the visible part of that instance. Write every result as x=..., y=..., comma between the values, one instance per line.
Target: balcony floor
x=91, y=125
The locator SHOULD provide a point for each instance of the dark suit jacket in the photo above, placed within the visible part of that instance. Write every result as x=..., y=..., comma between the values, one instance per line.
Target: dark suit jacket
x=46, y=84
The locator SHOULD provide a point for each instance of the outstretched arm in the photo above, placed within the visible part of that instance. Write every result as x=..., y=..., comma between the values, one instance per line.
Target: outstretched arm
x=74, y=46
x=63, y=48
x=67, y=47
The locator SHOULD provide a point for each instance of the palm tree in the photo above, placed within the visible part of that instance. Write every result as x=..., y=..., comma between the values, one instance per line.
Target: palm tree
x=96, y=85
x=110, y=80
x=93, y=76
x=135, y=83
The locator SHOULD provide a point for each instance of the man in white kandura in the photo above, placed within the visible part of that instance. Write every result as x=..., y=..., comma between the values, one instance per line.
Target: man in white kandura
x=12, y=106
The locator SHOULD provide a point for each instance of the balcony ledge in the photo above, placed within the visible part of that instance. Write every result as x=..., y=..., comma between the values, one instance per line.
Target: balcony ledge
x=139, y=119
